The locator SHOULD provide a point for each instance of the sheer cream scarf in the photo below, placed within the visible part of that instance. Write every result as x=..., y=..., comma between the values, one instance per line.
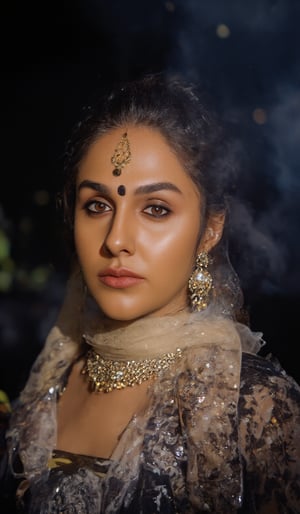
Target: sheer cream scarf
x=208, y=374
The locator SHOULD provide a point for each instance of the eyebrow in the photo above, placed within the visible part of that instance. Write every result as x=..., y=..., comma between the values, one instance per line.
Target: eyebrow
x=100, y=188
x=156, y=186
x=141, y=190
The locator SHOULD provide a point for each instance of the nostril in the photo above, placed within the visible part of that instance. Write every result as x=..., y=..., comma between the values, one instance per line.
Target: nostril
x=112, y=247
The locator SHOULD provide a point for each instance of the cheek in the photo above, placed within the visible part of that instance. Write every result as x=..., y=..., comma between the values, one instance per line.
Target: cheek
x=84, y=238
x=174, y=256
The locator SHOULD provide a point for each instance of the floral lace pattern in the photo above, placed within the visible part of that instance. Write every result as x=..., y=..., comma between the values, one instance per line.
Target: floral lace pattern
x=221, y=435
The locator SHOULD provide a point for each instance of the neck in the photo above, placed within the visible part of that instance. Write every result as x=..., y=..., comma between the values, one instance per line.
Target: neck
x=143, y=338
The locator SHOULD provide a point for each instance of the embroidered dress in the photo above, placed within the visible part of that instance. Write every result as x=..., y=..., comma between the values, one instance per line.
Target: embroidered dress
x=221, y=433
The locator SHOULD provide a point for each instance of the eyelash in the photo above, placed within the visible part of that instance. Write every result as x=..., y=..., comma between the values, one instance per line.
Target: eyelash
x=90, y=211
x=88, y=207
x=161, y=208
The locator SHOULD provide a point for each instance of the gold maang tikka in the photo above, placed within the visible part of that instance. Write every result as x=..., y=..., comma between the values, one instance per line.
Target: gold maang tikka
x=121, y=156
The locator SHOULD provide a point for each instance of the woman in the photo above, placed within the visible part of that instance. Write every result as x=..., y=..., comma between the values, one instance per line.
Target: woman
x=148, y=395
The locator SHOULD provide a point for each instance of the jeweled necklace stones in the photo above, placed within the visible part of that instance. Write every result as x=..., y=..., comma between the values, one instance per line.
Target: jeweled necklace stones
x=106, y=375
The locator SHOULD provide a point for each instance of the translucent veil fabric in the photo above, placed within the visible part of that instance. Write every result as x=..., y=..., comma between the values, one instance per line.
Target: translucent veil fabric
x=201, y=391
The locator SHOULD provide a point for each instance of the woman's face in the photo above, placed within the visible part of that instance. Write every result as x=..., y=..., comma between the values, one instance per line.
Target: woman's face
x=137, y=249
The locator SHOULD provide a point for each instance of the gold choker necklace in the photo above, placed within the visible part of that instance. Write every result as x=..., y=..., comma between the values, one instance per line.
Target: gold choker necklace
x=106, y=375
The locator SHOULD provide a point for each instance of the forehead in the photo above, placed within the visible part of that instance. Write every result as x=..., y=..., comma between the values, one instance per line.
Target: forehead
x=151, y=159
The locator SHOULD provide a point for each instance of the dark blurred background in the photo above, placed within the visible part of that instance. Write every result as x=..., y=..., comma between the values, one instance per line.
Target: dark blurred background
x=56, y=55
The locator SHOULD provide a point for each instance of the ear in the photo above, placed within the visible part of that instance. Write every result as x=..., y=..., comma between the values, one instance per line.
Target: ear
x=212, y=233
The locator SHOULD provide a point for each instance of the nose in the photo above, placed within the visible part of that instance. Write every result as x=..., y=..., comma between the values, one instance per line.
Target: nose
x=120, y=237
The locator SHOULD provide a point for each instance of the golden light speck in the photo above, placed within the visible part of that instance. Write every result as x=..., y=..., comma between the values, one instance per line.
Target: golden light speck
x=39, y=276
x=41, y=197
x=170, y=6
x=223, y=31
x=259, y=116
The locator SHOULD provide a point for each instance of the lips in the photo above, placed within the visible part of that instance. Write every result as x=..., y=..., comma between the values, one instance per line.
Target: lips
x=119, y=278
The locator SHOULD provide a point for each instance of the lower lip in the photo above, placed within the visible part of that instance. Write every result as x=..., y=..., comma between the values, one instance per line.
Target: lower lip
x=120, y=282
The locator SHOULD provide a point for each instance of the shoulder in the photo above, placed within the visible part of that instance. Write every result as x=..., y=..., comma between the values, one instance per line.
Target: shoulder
x=259, y=372
x=269, y=421
x=268, y=394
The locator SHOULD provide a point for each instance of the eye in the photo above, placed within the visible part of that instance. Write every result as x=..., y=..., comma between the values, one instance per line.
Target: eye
x=157, y=211
x=96, y=207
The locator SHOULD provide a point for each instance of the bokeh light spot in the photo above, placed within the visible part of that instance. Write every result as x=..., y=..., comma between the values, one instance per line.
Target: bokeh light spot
x=41, y=197
x=170, y=6
x=6, y=279
x=4, y=246
x=259, y=116
x=223, y=31
x=8, y=265
x=39, y=277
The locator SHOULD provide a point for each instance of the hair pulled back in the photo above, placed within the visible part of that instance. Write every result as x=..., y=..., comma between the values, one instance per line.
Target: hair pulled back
x=186, y=119
x=180, y=113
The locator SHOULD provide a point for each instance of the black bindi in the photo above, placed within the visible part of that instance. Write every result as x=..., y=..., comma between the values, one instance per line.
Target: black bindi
x=121, y=190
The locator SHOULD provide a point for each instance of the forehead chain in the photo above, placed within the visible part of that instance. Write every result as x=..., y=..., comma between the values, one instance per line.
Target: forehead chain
x=121, y=155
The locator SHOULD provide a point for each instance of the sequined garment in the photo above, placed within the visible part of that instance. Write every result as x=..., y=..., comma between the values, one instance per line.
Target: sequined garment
x=221, y=435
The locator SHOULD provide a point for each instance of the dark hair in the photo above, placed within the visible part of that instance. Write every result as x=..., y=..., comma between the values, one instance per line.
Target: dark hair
x=182, y=114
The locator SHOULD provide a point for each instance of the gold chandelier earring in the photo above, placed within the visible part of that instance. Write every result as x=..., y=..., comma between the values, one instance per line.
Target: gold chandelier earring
x=200, y=283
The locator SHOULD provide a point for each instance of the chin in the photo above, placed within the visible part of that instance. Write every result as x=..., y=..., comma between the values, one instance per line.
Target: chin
x=121, y=309
x=127, y=312
x=122, y=313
